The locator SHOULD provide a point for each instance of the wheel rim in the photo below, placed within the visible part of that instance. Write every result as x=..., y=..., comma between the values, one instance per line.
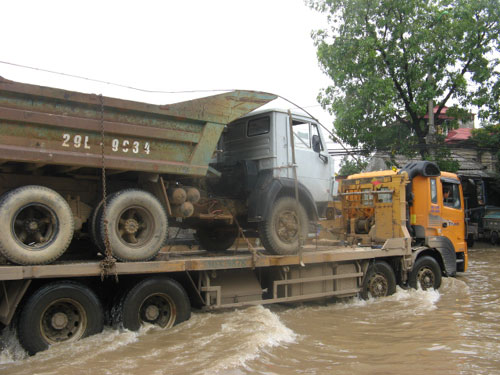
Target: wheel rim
x=378, y=286
x=63, y=320
x=135, y=226
x=426, y=278
x=35, y=226
x=287, y=226
x=158, y=309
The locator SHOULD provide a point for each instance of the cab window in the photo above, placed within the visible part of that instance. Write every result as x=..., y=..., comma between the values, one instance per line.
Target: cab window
x=301, y=134
x=451, y=195
x=258, y=126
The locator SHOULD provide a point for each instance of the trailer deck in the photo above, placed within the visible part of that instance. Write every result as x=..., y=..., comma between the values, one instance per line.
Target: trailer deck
x=199, y=261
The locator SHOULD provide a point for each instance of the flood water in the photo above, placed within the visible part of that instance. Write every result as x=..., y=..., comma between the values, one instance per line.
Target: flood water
x=455, y=330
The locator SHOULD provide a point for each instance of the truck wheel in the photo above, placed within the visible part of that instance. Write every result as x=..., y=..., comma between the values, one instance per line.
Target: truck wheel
x=94, y=226
x=61, y=311
x=279, y=233
x=156, y=300
x=137, y=225
x=218, y=238
x=379, y=281
x=426, y=273
x=36, y=223
x=494, y=238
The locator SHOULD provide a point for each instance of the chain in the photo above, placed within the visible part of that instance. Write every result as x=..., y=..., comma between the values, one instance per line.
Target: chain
x=108, y=263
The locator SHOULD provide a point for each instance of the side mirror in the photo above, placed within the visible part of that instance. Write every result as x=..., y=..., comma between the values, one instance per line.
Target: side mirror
x=316, y=143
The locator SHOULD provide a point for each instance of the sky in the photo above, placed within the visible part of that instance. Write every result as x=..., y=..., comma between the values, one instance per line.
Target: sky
x=262, y=45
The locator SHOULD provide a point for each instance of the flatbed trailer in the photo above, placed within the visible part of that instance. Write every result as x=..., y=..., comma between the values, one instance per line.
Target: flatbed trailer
x=68, y=300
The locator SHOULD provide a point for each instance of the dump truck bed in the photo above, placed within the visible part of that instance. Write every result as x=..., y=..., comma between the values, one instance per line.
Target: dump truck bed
x=45, y=126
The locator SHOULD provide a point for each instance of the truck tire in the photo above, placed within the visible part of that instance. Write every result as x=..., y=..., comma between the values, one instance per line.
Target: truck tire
x=137, y=225
x=156, y=300
x=94, y=227
x=494, y=238
x=36, y=223
x=379, y=281
x=62, y=311
x=218, y=238
x=279, y=233
x=426, y=273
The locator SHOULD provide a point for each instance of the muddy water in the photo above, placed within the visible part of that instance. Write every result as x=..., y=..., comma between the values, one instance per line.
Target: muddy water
x=455, y=330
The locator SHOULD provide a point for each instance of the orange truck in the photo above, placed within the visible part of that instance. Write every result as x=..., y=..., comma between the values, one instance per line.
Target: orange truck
x=434, y=217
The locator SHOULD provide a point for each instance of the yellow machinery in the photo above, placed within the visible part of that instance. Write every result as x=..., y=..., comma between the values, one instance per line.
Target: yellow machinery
x=418, y=202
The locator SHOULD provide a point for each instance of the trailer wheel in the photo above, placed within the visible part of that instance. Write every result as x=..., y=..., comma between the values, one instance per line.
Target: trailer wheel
x=137, y=225
x=379, y=281
x=156, y=300
x=62, y=311
x=36, y=224
x=426, y=272
x=279, y=233
x=218, y=238
x=494, y=238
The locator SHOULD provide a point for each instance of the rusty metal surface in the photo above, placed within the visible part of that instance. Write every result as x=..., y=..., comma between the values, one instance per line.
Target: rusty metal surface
x=52, y=126
x=197, y=263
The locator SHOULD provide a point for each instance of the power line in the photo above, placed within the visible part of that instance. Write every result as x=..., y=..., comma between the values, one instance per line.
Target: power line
x=108, y=82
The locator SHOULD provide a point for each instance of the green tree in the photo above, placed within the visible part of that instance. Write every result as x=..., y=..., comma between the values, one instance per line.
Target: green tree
x=389, y=58
x=349, y=166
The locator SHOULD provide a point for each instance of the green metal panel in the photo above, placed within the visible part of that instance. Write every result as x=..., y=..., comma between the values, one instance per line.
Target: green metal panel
x=52, y=126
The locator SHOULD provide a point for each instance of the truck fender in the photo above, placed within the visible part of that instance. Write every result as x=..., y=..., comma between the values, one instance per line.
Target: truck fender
x=268, y=188
x=447, y=251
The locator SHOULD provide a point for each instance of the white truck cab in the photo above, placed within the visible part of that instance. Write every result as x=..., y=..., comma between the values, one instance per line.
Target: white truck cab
x=257, y=165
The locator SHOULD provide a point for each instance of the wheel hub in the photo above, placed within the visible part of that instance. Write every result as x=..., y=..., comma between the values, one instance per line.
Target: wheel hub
x=378, y=286
x=32, y=226
x=59, y=320
x=152, y=312
x=131, y=226
x=287, y=226
x=426, y=278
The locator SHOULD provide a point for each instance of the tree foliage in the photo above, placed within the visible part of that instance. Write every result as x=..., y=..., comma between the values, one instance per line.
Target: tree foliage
x=349, y=166
x=388, y=58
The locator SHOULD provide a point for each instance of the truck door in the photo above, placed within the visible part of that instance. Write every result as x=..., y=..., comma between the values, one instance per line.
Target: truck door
x=453, y=219
x=315, y=167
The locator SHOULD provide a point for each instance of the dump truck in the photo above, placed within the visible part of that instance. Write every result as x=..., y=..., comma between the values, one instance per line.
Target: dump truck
x=119, y=172
x=99, y=175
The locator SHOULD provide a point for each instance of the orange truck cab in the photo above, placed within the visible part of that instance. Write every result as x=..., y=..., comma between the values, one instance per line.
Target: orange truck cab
x=435, y=212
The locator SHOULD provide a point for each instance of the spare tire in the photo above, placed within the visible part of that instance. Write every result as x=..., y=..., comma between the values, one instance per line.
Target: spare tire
x=36, y=223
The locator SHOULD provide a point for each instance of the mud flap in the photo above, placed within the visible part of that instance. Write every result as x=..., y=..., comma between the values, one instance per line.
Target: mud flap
x=445, y=247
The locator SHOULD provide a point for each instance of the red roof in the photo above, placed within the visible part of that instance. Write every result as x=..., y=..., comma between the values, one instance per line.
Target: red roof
x=458, y=135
